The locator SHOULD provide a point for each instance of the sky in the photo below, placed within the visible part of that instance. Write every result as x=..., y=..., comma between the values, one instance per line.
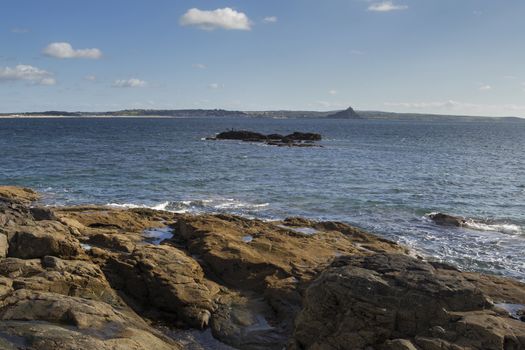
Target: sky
x=417, y=56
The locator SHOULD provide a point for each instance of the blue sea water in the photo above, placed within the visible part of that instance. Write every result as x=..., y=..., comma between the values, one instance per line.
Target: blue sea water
x=381, y=175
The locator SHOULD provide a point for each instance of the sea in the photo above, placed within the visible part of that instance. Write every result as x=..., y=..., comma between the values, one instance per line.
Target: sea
x=385, y=176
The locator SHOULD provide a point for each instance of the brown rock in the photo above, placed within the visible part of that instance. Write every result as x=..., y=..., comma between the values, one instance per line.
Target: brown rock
x=48, y=238
x=373, y=300
x=18, y=194
x=74, y=323
x=165, y=278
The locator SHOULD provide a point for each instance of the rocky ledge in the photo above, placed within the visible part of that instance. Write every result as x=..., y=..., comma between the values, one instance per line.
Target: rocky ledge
x=95, y=277
x=296, y=139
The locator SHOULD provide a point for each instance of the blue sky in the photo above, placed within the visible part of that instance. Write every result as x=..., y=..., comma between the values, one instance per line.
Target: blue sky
x=436, y=56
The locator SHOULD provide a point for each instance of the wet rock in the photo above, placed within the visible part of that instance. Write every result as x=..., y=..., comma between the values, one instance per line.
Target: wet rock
x=447, y=220
x=372, y=301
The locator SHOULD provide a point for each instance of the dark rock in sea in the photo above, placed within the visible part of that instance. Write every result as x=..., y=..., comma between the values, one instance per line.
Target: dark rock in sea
x=296, y=139
x=348, y=113
x=447, y=220
x=241, y=135
x=303, y=136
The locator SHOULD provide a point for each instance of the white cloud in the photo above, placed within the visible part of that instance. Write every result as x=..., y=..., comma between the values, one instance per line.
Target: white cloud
x=215, y=86
x=333, y=92
x=357, y=52
x=225, y=18
x=28, y=73
x=386, y=6
x=90, y=77
x=485, y=87
x=456, y=107
x=129, y=83
x=199, y=66
x=270, y=19
x=65, y=50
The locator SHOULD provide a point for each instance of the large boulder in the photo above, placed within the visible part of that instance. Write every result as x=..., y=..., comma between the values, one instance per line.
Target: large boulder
x=37, y=241
x=166, y=279
x=393, y=301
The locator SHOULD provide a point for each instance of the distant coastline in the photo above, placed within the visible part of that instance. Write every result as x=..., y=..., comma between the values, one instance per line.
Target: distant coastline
x=276, y=114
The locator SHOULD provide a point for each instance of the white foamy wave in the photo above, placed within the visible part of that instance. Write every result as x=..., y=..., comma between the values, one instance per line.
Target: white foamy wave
x=160, y=206
x=503, y=228
x=198, y=206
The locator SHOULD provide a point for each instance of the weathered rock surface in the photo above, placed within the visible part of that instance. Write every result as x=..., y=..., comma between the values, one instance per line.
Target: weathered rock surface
x=271, y=264
x=18, y=194
x=386, y=301
x=167, y=279
x=88, y=277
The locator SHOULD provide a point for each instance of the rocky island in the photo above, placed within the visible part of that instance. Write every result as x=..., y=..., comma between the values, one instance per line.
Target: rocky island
x=97, y=277
x=296, y=139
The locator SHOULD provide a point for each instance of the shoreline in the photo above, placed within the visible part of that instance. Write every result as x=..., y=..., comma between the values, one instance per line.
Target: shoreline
x=256, y=285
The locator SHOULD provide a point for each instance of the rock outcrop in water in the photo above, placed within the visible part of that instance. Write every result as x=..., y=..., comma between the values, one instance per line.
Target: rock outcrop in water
x=87, y=278
x=296, y=139
x=446, y=219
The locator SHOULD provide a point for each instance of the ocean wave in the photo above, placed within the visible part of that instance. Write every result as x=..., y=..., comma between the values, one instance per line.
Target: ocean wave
x=214, y=205
x=503, y=228
x=480, y=225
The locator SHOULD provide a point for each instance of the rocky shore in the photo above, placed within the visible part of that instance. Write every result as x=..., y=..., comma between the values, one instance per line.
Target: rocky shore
x=95, y=277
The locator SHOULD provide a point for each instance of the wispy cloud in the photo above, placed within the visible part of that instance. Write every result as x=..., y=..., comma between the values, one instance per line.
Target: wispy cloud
x=28, y=73
x=333, y=92
x=225, y=18
x=90, y=78
x=65, y=50
x=215, y=86
x=270, y=19
x=199, y=66
x=457, y=107
x=386, y=6
x=357, y=52
x=129, y=83
x=485, y=87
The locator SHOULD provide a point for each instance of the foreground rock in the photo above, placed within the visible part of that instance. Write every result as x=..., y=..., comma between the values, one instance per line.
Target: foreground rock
x=296, y=139
x=92, y=277
x=392, y=301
